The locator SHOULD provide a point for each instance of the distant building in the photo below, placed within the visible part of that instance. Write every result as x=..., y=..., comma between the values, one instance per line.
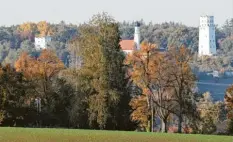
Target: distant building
x=207, y=42
x=129, y=45
x=215, y=74
x=42, y=42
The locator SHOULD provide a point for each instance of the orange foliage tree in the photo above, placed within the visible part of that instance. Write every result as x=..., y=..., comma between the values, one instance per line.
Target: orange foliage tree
x=148, y=70
x=182, y=84
x=141, y=113
x=138, y=71
x=166, y=81
x=41, y=70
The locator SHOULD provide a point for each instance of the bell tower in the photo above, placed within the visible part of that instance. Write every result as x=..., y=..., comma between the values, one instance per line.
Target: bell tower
x=207, y=42
x=137, y=35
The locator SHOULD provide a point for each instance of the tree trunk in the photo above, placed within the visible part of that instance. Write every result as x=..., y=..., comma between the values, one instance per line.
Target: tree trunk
x=148, y=129
x=164, y=126
x=152, y=117
x=180, y=124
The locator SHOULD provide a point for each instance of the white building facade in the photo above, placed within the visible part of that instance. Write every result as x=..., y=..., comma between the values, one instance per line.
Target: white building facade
x=42, y=42
x=207, y=42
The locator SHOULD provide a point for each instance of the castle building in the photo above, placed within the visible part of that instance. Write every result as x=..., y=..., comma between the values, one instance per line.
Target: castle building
x=207, y=42
x=128, y=46
x=42, y=42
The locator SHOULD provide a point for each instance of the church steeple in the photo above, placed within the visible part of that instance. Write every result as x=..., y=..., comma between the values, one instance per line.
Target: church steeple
x=137, y=35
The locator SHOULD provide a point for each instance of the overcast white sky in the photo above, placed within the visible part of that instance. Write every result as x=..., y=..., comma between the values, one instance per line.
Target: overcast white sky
x=78, y=11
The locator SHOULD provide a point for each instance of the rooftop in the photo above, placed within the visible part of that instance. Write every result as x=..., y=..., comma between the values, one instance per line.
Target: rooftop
x=127, y=44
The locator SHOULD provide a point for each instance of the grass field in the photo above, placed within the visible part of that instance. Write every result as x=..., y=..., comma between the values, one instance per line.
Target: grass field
x=70, y=135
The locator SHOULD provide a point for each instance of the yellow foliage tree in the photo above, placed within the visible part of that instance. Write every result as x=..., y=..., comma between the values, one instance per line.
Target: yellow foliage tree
x=27, y=30
x=140, y=112
x=44, y=29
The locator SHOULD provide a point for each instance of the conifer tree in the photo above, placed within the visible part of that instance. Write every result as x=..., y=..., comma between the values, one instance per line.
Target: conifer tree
x=102, y=72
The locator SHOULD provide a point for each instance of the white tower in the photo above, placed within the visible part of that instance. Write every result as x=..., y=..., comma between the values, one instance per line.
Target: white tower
x=207, y=43
x=137, y=36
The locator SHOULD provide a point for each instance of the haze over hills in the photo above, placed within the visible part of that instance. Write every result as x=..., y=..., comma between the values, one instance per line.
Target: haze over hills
x=157, y=11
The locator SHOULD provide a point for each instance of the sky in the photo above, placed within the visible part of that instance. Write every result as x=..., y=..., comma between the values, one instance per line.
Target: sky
x=187, y=12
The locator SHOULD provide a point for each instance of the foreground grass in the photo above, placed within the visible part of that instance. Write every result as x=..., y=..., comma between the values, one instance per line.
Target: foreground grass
x=70, y=135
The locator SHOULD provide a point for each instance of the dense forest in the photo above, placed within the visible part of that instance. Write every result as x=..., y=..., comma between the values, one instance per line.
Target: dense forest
x=84, y=80
x=15, y=39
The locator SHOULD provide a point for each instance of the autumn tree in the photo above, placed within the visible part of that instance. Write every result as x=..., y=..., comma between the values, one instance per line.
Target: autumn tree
x=141, y=113
x=41, y=70
x=149, y=74
x=139, y=73
x=167, y=80
x=162, y=92
x=182, y=82
x=24, y=64
x=43, y=73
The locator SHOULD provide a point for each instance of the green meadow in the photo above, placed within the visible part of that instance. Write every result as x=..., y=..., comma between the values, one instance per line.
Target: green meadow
x=75, y=135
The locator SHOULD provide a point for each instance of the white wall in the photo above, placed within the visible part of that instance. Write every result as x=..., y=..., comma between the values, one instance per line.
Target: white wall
x=127, y=51
x=41, y=42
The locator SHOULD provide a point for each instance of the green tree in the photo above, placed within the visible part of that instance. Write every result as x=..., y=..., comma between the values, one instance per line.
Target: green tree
x=210, y=112
x=14, y=101
x=228, y=99
x=102, y=72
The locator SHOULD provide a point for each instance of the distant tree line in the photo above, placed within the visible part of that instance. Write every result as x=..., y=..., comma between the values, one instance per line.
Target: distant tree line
x=16, y=39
